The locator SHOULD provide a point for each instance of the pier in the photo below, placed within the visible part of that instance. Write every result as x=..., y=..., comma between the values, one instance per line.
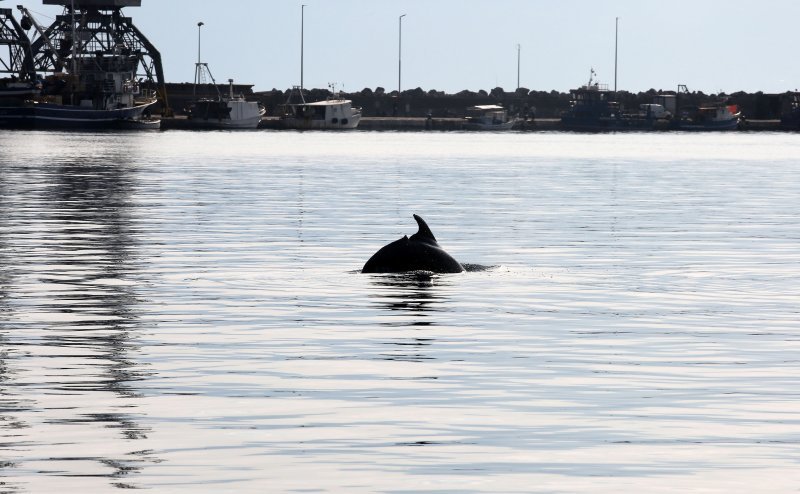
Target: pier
x=417, y=124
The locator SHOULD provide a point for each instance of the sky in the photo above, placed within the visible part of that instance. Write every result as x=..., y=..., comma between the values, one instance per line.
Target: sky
x=452, y=45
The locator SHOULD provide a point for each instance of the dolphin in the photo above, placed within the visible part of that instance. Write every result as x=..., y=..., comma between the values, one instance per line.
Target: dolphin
x=420, y=252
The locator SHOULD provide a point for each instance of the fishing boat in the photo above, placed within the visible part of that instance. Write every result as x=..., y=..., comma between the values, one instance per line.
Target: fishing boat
x=66, y=102
x=593, y=110
x=709, y=117
x=92, y=80
x=335, y=113
x=488, y=117
x=231, y=112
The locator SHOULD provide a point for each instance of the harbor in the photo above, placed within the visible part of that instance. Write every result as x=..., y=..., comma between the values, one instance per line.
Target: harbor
x=93, y=68
x=231, y=264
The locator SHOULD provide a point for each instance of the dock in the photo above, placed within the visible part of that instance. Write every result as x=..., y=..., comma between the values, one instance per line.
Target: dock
x=416, y=124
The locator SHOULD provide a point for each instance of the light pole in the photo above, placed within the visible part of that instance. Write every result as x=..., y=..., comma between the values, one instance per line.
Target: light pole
x=399, y=52
x=616, y=44
x=519, y=47
x=197, y=67
x=302, y=37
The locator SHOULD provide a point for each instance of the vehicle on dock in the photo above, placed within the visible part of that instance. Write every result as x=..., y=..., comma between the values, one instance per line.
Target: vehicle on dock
x=488, y=117
x=335, y=113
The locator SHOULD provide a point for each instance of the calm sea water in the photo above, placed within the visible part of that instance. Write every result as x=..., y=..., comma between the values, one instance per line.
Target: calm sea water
x=184, y=312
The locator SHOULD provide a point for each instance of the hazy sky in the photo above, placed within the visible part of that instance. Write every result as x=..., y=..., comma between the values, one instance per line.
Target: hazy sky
x=450, y=45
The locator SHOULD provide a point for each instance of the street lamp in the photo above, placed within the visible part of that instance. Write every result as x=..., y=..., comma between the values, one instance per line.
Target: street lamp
x=399, y=52
x=197, y=66
x=302, y=37
x=519, y=47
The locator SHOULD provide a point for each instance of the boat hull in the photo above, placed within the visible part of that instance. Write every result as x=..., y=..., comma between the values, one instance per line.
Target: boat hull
x=301, y=123
x=732, y=124
x=50, y=115
x=489, y=126
x=53, y=115
x=223, y=123
x=609, y=124
x=16, y=117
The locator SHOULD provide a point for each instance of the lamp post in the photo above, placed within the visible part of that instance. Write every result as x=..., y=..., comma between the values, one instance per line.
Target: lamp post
x=302, y=37
x=399, y=52
x=616, y=44
x=519, y=47
x=197, y=66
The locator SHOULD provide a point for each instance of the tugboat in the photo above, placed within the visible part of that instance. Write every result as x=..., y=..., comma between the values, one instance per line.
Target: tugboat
x=592, y=110
x=92, y=55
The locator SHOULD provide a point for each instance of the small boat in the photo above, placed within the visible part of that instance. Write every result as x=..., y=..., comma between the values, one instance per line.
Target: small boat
x=233, y=112
x=710, y=117
x=331, y=114
x=488, y=117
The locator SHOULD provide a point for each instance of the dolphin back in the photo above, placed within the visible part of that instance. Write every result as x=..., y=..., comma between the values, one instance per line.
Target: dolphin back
x=421, y=252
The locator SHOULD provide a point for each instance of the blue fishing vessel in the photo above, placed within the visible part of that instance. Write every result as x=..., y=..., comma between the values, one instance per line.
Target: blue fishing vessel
x=592, y=109
x=81, y=72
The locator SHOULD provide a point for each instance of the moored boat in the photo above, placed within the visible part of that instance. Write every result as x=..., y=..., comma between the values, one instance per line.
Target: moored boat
x=709, y=117
x=233, y=112
x=92, y=81
x=593, y=110
x=488, y=117
x=330, y=114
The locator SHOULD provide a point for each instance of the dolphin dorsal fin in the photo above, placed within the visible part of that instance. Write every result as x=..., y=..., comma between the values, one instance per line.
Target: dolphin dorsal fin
x=424, y=234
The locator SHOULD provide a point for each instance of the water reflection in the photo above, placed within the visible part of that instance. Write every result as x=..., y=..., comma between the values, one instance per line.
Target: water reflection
x=413, y=293
x=68, y=304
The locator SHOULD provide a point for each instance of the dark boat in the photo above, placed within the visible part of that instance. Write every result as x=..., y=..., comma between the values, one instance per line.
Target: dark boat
x=92, y=81
x=790, y=117
x=592, y=110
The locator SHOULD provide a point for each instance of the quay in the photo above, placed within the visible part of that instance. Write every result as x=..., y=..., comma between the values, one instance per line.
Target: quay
x=416, y=124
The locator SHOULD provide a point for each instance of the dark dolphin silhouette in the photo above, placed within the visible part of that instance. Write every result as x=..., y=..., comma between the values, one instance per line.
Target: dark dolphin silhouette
x=421, y=252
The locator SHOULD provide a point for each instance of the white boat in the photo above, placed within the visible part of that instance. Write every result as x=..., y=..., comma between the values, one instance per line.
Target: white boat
x=231, y=112
x=488, y=117
x=329, y=114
